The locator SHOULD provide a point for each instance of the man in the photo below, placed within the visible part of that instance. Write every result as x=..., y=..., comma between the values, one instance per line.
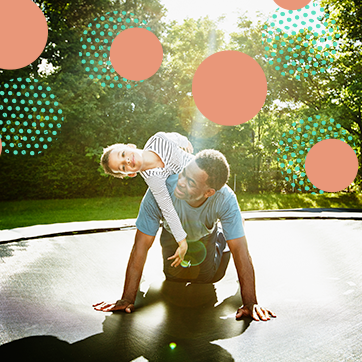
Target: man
x=201, y=198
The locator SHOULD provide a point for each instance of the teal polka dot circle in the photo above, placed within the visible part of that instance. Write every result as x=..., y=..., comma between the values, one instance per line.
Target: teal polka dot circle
x=300, y=43
x=297, y=142
x=96, y=45
x=30, y=117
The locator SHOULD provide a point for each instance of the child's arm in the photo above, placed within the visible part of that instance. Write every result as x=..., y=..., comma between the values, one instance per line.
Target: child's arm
x=180, y=140
x=179, y=253
x=164, y=201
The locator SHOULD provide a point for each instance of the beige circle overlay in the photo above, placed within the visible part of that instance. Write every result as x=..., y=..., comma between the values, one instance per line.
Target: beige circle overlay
x=331, y=165
x=23, y=33
x=136, y=54
x=292, y=4
x=229, y=88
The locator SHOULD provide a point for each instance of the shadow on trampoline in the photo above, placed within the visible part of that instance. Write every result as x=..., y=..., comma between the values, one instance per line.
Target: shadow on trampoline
x=170, y=312
x=308, y=271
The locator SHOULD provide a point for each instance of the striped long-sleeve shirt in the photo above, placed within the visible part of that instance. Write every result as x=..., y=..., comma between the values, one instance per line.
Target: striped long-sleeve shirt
x=167, y=147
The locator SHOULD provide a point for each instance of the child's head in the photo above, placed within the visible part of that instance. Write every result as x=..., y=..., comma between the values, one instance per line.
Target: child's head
x=121, y=160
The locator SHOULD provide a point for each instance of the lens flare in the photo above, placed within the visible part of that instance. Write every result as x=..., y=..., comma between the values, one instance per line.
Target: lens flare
x=195, y=255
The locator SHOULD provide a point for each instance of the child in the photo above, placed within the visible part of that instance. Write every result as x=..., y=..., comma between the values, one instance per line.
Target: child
x=161, y=157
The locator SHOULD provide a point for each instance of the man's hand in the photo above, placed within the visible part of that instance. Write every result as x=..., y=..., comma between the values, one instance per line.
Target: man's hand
x=179, y=254
x=121, y=304
x=255, y=311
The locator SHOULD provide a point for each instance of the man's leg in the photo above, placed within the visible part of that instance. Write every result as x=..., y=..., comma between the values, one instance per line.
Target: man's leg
x=178, y=274
x=223, y=254
x=222, y=267
x=210, y=270
x=225, y=258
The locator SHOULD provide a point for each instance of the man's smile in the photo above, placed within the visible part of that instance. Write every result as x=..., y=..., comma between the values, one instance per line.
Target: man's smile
x=178, y=192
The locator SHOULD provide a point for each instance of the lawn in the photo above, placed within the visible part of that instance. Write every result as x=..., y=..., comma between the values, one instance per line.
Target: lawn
x=298, y=201
x=32, y=212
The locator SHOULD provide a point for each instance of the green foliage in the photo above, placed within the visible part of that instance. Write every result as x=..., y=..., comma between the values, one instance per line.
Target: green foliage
x=348, y=15
x=274, y=201
x=61, y=174
x=304, y=132
x=333, y=85
x=252, y=147
x=96, y=116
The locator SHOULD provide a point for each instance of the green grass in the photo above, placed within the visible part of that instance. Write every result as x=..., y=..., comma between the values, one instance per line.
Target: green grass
x=298, y=201
x=32, y=212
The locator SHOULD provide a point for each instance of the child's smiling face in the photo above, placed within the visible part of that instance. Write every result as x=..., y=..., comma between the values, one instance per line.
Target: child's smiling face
x=127, y=160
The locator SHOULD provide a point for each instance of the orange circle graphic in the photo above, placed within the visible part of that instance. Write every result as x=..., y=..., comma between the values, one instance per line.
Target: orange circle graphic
x=23, y=33
x=136, y=54
x=229, y=88
x=292, y=5
x=331, y=165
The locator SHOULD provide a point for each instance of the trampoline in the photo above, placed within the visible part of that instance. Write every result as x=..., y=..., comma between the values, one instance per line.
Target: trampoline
x=308, y=271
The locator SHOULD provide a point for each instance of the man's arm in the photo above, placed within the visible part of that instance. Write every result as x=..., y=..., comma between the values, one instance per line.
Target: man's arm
x=134, y=271
x=246, y=275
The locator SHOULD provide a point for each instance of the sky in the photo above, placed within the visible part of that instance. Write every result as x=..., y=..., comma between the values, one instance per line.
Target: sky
x=232, y=9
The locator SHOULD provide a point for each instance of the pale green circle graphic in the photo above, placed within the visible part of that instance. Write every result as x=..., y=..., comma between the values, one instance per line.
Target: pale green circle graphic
x=300, y=43
x=196, y=254
x=30, y=117
x=297, y=142
x=96, y=45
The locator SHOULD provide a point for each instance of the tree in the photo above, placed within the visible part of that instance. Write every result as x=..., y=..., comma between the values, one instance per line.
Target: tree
x=253, y=153
x=325, y=76
x=348, y=98
x=94, y=116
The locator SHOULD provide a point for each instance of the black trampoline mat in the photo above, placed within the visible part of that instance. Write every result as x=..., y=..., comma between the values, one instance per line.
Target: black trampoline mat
x=309, y=272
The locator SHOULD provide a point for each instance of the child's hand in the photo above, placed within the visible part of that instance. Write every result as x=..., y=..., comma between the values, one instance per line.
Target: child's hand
x=179, y=254
x=189, y=148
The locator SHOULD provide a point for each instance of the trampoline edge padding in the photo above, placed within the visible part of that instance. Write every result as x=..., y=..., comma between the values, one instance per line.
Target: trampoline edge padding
x=37, y=231
x=305, y=213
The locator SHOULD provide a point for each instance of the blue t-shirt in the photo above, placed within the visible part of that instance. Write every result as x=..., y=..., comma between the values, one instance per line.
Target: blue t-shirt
x=197, y=222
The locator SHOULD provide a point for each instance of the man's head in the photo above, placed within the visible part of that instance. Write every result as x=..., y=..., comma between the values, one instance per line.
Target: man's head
x=202, y=177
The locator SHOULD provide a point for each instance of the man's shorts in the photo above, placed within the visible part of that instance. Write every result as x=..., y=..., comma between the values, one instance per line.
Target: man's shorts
x=204, y=257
